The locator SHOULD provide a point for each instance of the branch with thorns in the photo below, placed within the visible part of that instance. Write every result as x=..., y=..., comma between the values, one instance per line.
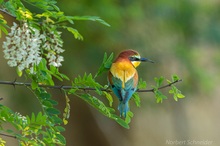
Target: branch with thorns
x=6, y=12
x=7, y=135
x=15, y=83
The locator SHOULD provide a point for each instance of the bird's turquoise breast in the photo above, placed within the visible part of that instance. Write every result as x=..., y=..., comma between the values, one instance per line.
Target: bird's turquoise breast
x=123, y=93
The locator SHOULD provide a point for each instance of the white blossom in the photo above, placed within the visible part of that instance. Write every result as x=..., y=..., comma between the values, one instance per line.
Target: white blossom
x=53, y=44
x=22, y=47
x=24, y=44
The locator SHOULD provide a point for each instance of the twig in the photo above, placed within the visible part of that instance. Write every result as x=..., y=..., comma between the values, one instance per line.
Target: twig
x=7, y=13
x=7, y=135
x=14, y=83
x=162, y=87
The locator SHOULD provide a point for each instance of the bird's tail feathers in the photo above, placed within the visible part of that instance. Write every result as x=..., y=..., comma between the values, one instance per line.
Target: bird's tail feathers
x=123, y=108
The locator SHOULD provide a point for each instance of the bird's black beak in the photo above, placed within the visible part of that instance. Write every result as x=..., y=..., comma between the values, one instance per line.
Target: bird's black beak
x=146, y=60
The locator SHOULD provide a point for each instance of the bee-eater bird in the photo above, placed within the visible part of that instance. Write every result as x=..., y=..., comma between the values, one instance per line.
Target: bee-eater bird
x=123, y=77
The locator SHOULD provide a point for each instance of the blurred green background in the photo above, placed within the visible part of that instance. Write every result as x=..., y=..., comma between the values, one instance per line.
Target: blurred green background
x=182, y=37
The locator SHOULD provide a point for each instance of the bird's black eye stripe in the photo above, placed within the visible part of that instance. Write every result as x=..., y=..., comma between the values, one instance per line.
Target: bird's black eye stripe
x=134, y=59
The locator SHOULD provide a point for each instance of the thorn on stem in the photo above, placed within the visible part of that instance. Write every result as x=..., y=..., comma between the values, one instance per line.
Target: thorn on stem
x=13, y=83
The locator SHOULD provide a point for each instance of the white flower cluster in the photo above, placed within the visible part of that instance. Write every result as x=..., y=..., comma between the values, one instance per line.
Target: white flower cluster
x=20, y=117
x=53, y=44
x=24, y=45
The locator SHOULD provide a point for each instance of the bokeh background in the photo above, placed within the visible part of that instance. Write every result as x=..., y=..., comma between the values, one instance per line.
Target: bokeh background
x=182, y=37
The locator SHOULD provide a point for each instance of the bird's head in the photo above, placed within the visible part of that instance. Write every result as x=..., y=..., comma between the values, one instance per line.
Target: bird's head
x=134, y=57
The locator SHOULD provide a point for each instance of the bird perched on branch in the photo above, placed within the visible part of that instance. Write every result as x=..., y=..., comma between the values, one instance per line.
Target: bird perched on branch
x=123, y=77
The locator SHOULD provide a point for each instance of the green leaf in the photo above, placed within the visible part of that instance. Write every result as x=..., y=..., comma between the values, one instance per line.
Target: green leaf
x=175, y=97
x=159, y=81
x=9, y=131
x=60, y=128
x=179, y=95
x=3, y=26
x=41, y=118
x=120, y=121
x=53, y=102
x=128, y=117
x=11, y=7
x=64, y=76
x=45, y=96
x=3, y=29
x=34, y=85
x=109, y=97
x=43, y=75
x=72, y=91
x=76, y=34
x=56, y=120
x=142, y=84
x=91, y=18
x=46, y=5
x=53, y=111
x=55, y=72
x=47, y=104
x=43, y=64
x=65, y=18
x=106, y=64
x=175, y=78
x=176, y=93
x=137, y=99
x=61, y=139
x=96, y=103
x=171, y=91
x=19, y=72
x=87, y=81
x=32, y=118
x=159, y=96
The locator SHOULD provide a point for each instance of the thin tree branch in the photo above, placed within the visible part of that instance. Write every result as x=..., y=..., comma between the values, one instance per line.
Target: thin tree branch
x=7, y=135
x=162, y=87
x=7, y=13
x=14, y=83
